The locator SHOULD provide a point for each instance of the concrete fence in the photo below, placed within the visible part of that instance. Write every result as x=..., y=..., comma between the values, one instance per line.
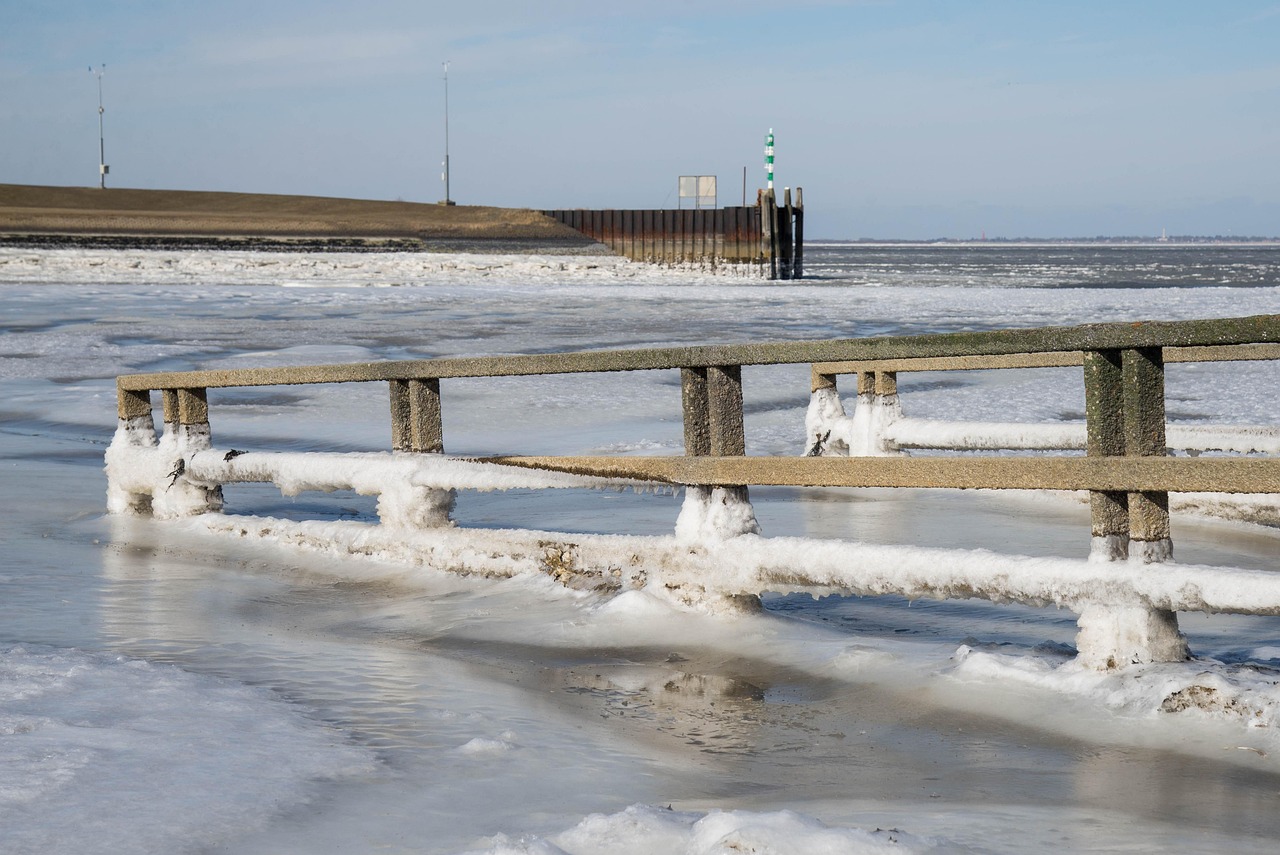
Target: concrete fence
x=1127, y=592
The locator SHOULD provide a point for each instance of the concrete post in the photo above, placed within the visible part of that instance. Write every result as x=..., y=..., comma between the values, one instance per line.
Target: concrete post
x=186, y=416
x=135, y=429
x=427, y=428
x=724, y=399
x=1104, y=416
x=1124, y=404
x=1144, y=436
x=697, y=412
x=713, y=425
x=878, y=407
x=416, y=427
x=401, y=423
x=169, y=415
x=825, y=409
x=830, y=432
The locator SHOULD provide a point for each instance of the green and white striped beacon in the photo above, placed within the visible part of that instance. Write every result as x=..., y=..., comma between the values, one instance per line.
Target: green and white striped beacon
x=768, y=158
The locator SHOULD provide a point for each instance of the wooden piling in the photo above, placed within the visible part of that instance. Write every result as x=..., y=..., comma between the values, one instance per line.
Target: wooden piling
x=797, y=255
x=784, y=235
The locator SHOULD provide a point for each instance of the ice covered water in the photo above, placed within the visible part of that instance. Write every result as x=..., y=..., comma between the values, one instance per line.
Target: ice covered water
x=180, y=692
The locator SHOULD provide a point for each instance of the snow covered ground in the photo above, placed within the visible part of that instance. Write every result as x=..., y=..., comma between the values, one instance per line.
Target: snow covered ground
x=164, y=689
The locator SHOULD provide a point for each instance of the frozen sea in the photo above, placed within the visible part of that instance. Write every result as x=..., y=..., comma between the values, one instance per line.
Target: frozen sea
x=166, y=691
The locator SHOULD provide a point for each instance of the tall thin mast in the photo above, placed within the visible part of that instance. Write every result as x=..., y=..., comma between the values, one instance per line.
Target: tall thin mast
x=103, y=169
x=447, y=200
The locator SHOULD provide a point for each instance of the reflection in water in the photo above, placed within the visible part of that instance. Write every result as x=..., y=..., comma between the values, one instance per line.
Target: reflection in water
x=418, y=673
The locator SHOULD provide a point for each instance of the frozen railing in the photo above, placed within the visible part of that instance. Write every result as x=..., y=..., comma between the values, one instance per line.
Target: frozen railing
x=1127, y=612
x=879, y=427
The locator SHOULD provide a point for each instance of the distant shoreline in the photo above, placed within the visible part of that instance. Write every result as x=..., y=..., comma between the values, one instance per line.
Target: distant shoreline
x=1118, y=243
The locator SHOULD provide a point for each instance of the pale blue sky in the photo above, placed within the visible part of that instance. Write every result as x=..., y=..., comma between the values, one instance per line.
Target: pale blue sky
x=900, y=119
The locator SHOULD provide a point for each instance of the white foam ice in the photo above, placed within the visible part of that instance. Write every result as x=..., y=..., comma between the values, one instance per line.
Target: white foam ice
x=644, y=830
x=289, y=269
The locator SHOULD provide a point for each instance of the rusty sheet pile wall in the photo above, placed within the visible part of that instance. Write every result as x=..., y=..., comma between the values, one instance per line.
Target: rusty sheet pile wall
x=766, y=235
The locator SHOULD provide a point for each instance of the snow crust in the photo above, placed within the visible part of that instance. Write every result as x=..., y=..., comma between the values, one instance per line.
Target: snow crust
x=76, y=726
x=1204, y=694
x=748, y=564
x=645, y=830
x=326, y=269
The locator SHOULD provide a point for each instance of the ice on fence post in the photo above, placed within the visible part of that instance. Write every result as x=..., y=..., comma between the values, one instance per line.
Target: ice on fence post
x=713, y=425
x=135, y=430
x=824, y=412
x=711, y=514
x=408, y=506
x=1115, y=636
x=866, y=432
x=416, y=428
x=186, y=418
x=882, y=410
x=1124, y=403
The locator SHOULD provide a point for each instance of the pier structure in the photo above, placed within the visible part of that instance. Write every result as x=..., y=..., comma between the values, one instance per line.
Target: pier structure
x=768, y=236
x=1125, y=587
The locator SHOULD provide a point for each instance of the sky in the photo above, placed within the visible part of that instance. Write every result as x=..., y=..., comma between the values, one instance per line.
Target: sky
x=915, y=119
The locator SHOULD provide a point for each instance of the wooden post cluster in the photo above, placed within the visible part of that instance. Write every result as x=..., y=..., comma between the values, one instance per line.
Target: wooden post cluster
x=782, y=234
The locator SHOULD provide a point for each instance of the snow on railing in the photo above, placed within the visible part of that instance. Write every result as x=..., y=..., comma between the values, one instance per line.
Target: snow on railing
x=1126, y=594
x=878, y=426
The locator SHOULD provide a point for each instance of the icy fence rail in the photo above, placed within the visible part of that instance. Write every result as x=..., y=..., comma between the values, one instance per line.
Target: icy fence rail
x=1127, y=593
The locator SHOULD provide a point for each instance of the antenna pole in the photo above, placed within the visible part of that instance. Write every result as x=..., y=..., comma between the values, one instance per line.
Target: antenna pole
x=103, y=169
x=447, y=200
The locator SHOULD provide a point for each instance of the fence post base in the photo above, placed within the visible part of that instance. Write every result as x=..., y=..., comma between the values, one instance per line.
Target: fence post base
x=186, y=431
x=133, y=432
x=830, y=432
x=824, y=410
x=715, y=514
x=1115, y=636
x=411, y=507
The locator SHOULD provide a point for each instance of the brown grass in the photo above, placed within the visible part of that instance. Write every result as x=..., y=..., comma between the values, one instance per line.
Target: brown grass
x=26, y=209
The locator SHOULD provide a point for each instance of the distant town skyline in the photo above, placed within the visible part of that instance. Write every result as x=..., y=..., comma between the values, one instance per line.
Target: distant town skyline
x=910, y=120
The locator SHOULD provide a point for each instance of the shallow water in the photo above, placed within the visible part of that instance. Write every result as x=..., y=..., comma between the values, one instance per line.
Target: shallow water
x=453, y=709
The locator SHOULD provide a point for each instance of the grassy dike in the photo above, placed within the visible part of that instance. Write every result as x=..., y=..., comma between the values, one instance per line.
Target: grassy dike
x=90, y=216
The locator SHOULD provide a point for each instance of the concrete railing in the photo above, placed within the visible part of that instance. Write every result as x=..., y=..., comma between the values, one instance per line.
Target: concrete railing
x=1126, y=615
x=880, y=427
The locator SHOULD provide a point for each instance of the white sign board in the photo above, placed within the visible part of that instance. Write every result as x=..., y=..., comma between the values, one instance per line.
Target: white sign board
x=700, y=188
